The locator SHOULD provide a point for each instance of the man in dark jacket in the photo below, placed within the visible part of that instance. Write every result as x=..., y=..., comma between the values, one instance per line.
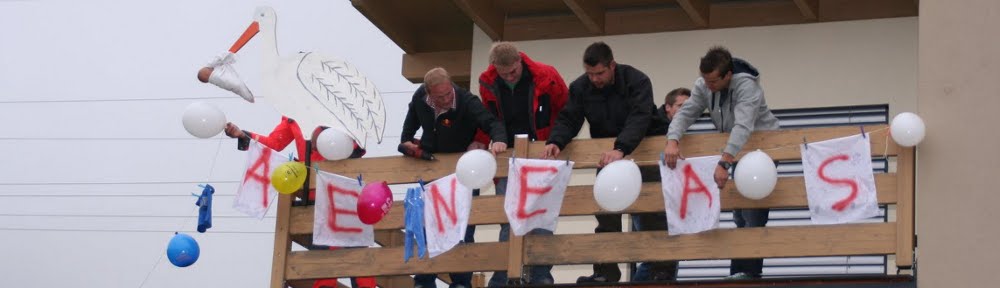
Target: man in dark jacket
x=617, y=101
x=526, y=96
x=449, y=116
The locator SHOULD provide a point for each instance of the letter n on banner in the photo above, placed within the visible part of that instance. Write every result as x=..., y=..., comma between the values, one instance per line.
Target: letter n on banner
x=336, y=222
x=446, y=213
x=535, y=190
x=840, y=183
x=691, y=195
x=256, y=193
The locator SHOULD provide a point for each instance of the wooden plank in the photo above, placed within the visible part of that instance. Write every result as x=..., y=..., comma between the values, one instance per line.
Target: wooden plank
x=401, y=169
x=779, y=144
x=789, y=192
x=755, y=13
x=282, y=242
x=818, y=240
x=389, y=261
x=658, y=19
x=905, y=166
x=809, y=9
x=590, y=12
x=515, y=250
x=458, y=64
x=697, y=10
x=488, y=17
x=844, y=10
x=309, y=284
x=545, y=27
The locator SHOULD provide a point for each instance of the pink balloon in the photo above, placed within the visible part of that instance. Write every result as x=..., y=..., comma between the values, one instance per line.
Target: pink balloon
x=375, y=202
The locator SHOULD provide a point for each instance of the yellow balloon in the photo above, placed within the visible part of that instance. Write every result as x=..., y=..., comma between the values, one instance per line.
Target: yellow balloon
x=289, y=177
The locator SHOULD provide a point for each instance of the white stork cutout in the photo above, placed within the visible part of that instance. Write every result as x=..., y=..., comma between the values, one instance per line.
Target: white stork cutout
x=315, y=89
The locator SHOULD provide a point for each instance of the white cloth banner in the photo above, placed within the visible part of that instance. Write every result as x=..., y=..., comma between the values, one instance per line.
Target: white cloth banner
x=535, y=190
x=335, y=221
x=691, y=195
x=446, y=213
x=256, y=192
x=840, y=183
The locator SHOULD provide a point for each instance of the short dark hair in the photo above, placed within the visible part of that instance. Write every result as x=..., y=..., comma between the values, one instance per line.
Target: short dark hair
x=672, y=96
x=598, y=53
x=717, y=58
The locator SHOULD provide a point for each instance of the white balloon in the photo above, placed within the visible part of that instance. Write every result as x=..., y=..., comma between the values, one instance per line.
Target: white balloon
x=907, y=129
x=756, y=175
x=476, y=169
x=203, y=120
x=334, y=144
x=617, y=185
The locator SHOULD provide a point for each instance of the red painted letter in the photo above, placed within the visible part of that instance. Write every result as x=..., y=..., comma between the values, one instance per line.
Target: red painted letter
x=842, y=204
x=439, y=201
x=689, y=177
x=525, y=190
x=331, y=220
x=264, y=161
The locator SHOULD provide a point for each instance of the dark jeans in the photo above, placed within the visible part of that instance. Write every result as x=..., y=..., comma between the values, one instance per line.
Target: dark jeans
x=653, y=271
x=541, y=274
x=610, y=223
x=749, y=218
x=457, y=279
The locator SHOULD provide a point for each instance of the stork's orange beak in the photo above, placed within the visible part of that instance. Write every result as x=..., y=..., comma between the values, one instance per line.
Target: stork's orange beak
x=249, y=33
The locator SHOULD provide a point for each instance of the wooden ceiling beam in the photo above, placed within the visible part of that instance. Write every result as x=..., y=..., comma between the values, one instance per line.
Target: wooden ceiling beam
x=698, y=11
x=487, y=16
x=590, y=13
x=458, y=64
x=809, y=9
x=383, y=16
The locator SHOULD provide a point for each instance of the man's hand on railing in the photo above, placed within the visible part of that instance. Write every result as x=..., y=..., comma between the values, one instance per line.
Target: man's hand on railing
x=610, y=156
x=498, y=147
x=409, y=148
x=475, y=145
x=551, y=151
x=671, y=153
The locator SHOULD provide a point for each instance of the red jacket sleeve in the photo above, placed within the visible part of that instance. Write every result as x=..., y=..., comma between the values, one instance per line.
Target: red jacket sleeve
x=280, y=137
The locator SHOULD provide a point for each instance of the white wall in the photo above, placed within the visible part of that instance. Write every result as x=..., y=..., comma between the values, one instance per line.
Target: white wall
x=956, y=162
x=60, y=60
x=810, y=65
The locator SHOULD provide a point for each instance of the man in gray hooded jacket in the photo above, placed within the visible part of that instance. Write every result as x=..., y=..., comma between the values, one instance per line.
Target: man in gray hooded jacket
x=730, y=89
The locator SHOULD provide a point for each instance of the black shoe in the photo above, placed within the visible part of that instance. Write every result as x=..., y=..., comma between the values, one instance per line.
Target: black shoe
x=596, y=278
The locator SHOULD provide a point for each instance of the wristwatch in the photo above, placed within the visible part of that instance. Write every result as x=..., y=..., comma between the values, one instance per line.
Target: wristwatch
x=725, y=165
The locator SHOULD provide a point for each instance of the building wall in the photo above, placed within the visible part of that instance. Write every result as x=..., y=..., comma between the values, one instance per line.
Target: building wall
x=810, y=65
x=955, y=172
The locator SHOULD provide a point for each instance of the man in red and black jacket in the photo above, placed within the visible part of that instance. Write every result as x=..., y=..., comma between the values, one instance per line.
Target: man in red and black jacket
x=526, y=96
x=279, y=138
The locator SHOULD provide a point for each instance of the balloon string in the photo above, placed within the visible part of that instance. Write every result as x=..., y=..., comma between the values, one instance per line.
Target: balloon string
x=180, y=226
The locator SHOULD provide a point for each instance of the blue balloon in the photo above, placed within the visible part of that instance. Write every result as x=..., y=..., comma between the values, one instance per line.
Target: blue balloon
x=182, y=250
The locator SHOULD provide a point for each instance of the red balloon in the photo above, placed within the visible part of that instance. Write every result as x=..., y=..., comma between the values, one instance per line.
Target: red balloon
x=375, y=202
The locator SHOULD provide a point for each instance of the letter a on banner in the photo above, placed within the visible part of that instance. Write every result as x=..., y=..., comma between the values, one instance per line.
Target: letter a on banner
x=335, y=220
x=840, y=183
x=691, y=195
x=446, y=213
x=256, y=192
x=535, y=191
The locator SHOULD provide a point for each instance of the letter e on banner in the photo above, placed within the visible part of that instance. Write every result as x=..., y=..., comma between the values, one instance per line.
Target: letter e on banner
x=335, y=219
x=535, y=193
